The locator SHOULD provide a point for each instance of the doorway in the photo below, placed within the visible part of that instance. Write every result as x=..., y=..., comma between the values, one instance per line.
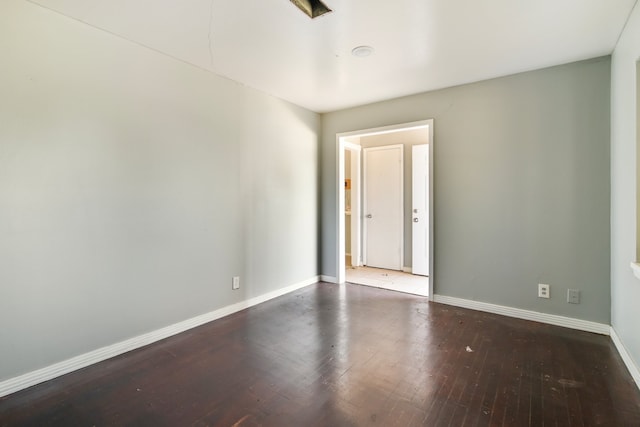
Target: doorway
x=376, y=137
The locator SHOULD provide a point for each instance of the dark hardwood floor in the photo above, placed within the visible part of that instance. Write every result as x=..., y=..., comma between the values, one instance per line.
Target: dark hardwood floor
x=347, y=356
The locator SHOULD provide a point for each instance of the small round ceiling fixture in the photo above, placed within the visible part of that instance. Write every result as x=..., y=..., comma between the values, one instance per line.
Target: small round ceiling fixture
x=362, y=51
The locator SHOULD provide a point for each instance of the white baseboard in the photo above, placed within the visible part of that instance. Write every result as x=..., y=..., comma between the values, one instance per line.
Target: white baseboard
x=329, y=279
x=407, y=269
x=626, y=357
x=29, y=379
x=552, y=319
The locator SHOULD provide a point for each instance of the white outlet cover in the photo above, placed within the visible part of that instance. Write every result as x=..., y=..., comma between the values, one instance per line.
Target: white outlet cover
x=543, y=290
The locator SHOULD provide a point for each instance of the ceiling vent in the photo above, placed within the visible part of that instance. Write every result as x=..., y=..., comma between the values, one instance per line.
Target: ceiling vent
x=313, y=8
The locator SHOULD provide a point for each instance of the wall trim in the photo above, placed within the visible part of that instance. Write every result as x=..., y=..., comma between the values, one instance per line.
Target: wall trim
x=329, y=279
x=552, y=319
x=50, y=372
x=626, y=357
x=407, y=269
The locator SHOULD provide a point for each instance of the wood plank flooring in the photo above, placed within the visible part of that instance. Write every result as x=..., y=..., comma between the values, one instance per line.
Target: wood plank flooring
x=347, y=356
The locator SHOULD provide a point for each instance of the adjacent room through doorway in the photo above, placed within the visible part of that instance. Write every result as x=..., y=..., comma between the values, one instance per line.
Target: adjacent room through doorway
x=385, y=207
x=388, y=279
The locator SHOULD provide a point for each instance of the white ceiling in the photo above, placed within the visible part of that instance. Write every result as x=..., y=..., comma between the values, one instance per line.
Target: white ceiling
x=420, y=45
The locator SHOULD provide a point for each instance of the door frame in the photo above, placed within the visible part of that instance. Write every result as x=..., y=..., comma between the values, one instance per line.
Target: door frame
x=365, y=224
x=356, y=237
x=341, y=140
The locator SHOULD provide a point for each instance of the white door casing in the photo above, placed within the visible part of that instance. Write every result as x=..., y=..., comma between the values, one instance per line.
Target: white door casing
x=420, y=210
x=383, y=207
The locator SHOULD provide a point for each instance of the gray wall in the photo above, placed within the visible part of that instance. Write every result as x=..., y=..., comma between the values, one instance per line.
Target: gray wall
x=133, y=187
x=408, y=139
x=625, y=288
x=521, y=186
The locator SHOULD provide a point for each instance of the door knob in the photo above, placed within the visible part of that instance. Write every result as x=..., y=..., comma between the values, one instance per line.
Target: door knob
x=369, y=216
x=415, y=220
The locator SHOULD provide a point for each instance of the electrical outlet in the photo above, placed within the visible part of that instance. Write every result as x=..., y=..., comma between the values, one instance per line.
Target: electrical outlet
x=235, y=283
x=573, y=296
x=543, y=290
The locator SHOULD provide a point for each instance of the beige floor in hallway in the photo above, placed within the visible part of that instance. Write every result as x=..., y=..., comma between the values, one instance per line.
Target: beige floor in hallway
x=388, y=279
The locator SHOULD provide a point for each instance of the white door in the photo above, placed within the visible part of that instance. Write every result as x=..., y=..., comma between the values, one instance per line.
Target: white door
x=383, y=228
x=420, y=210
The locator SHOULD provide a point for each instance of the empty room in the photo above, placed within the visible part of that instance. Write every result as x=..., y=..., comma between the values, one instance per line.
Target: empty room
x=319, y=213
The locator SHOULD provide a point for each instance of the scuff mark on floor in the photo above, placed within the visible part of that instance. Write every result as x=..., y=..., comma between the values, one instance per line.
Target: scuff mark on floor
x=570, y=383
x=241, y=420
